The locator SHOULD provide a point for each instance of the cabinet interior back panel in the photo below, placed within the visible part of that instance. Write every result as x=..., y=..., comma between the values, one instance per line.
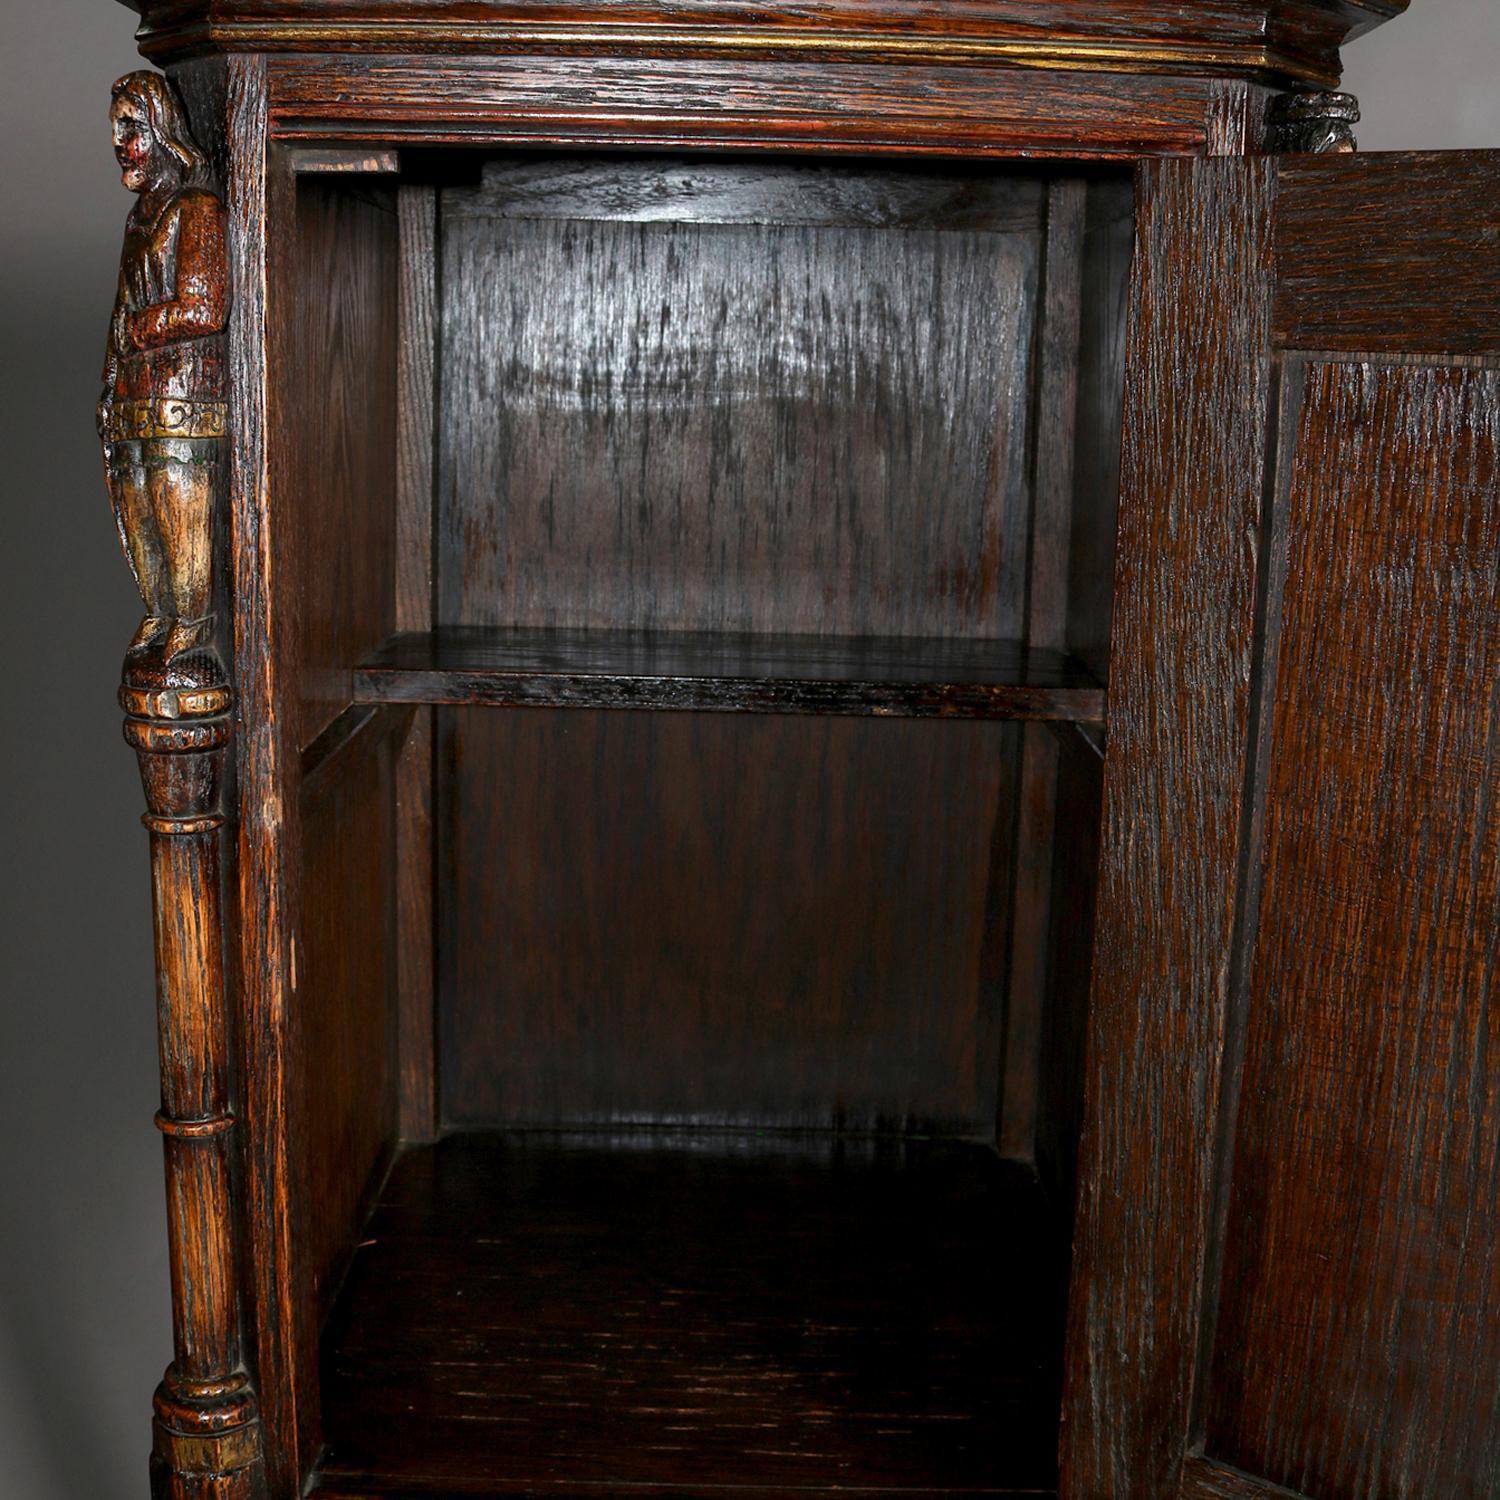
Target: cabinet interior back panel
x=734, y=397
x=806, y=427
x=722, y=919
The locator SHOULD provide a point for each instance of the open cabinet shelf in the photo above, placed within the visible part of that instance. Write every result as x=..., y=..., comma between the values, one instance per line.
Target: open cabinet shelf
x=972, y=679
x=700, y=1313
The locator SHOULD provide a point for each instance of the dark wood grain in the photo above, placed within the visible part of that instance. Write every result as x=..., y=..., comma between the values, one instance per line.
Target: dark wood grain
x=1204, y=1479
x=344, y=973
x=803, y=674
x=1196, y=403
x=1069, y=949
x=257, y=193
x=624, y=447
x=681, y=1313
x=1054, y=451
x=752, y=190
x=1104, y=294
x=719, y=919
x=1293, y=38
x=1380, y=253
x=793, y=105
x=1358, y=1330
x=337, y=367
x=416, y=420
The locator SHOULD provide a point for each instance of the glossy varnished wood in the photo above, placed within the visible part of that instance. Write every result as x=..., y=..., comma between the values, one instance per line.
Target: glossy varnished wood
x=807, y=674
x=1196, y=405
x=1359, y=1327
x=696, y=1314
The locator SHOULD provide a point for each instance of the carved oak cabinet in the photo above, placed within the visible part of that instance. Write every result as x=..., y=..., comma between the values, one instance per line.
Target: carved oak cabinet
x=819, y=700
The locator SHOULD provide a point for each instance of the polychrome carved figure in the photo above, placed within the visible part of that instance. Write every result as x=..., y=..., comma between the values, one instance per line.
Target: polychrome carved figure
x=162, y=413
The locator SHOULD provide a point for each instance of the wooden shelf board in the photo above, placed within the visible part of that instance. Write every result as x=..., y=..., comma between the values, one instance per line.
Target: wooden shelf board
x=680, y=1312
x=731, y=672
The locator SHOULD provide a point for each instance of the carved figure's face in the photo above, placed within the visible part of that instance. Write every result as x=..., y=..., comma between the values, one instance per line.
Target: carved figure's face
x=136, y=146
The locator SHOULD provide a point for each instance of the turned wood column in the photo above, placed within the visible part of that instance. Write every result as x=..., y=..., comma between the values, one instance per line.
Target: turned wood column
x=163, y=425
x=206, y=1430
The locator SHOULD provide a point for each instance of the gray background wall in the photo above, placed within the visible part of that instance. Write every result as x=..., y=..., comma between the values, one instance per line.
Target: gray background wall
x=84, y=1329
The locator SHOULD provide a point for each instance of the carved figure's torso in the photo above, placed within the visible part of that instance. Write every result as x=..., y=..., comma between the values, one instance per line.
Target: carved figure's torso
x=172, y=281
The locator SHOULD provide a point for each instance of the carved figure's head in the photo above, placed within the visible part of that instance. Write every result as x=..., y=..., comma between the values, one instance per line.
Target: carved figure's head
x=151, y=138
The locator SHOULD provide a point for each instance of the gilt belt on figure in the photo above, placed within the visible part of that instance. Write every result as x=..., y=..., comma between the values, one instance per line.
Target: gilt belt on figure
x=161, y=417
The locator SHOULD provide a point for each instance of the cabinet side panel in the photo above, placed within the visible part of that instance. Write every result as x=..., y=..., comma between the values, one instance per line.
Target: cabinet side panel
x=1196, y=407
x=337, y=394
x=330, y=504
x=1359, y=1329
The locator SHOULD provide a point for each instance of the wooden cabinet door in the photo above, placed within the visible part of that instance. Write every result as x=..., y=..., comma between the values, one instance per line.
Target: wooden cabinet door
x=1287, y=1263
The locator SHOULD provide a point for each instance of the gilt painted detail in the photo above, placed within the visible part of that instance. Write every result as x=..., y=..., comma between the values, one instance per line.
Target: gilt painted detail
x=162, y=410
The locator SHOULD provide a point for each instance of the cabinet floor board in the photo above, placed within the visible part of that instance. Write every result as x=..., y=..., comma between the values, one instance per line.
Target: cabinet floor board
x=670, y=1312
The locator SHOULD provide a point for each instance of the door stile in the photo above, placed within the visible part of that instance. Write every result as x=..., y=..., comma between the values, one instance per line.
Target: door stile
x=1197, y=406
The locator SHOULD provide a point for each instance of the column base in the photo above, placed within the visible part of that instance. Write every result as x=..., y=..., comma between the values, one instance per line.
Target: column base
x=206, y=1441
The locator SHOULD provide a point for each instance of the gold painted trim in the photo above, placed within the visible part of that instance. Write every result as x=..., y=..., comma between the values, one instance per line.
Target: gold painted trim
x=176, y=703
x=194, y=1130
x=217, y=1453
x=1055, y=53
x=149, y=417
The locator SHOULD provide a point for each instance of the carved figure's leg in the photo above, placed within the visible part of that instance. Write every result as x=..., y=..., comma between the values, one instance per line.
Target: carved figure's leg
x=130, y=498
x=181, y=475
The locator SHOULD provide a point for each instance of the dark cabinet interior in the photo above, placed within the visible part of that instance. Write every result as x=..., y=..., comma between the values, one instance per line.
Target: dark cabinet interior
x=718, y=554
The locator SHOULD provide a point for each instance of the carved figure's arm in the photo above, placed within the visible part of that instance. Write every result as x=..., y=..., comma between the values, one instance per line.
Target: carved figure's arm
x=202, y=301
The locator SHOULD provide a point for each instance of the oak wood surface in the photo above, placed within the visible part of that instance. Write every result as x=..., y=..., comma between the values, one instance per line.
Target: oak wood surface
x=416, y=419
x=720, y=919
x=266, y=806
x=676, y=1313
x=730, y=671
x=796, y=106
x=1196, y=403
x=338, y=416
x=1379, y=253
x=1288, y=37
x=1358, y=1333
x=736, y=426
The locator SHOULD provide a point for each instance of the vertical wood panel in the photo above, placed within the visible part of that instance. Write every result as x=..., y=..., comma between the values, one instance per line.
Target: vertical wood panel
x=1190, y=504
x=1055, y=415
x=345, y=1107
x=1359, y=1331
x=337, y=388
x=415, y=476
x=258, y=194
x=742, y=427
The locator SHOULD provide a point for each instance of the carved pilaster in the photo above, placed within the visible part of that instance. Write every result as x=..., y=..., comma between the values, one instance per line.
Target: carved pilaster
x=162, y=423
x=1311, y=121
